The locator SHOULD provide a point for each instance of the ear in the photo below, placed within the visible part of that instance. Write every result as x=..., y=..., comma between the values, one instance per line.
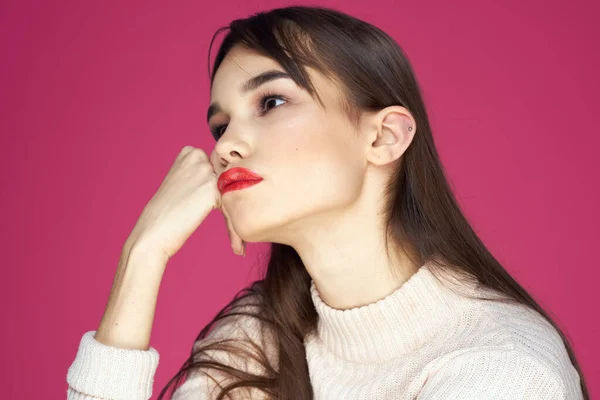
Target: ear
x=388, y=134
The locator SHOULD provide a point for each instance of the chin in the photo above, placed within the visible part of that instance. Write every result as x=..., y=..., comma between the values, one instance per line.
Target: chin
x=262, y=229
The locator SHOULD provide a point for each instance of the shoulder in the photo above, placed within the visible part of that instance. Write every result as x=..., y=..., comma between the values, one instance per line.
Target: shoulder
x=240, y=320
x=510, y=345
x=503, y=374
x=238, y=339
x=519, y=328
x=242, y=328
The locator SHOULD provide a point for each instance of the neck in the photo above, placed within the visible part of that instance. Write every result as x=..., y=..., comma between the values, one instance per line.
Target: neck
x=344, y=253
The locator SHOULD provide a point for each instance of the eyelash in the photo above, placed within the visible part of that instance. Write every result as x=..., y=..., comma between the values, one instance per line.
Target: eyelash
x=216, y=131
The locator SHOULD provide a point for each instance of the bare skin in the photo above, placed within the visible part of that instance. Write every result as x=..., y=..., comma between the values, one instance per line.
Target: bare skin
x=321, y=194
x=184, y=199
x=324, y=176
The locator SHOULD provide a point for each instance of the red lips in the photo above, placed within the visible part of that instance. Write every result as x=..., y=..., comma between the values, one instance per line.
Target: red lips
x=237, y=174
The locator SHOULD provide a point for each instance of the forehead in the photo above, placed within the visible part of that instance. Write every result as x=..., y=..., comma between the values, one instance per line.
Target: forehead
x=241, y=64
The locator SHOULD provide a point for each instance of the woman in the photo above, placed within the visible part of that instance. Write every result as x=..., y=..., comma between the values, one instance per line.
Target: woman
x=377, y=286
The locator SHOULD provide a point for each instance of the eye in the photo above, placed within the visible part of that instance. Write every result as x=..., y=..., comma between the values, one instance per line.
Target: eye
x=266, y=99
x=217, y=131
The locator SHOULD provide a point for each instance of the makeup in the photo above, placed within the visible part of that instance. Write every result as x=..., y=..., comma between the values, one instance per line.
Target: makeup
x=237, y=178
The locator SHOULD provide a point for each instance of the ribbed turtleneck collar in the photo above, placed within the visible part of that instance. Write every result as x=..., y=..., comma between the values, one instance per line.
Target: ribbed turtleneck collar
x=395, y=325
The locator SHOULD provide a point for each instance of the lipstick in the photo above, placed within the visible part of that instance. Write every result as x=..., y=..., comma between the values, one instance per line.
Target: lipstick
x=237, y=178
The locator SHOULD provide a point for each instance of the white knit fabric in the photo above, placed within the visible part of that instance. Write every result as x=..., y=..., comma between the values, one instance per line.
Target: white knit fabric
x=421, y=342
x=101, y=371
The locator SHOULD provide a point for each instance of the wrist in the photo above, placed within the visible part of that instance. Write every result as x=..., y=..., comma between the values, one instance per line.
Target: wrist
x=145, y=250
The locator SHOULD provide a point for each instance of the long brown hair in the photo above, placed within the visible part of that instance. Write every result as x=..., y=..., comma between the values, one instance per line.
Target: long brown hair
x=421, y=211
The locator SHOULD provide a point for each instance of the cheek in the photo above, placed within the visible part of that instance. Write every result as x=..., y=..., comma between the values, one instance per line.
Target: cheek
x=312, y=168
x=316, y=170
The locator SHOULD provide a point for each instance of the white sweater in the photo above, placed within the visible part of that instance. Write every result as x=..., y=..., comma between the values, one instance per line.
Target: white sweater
x=421, y=342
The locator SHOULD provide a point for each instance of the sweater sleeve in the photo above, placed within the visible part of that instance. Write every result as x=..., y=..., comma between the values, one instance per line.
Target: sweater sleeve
x=100, y=371
x=496, y=374
x=110, y=373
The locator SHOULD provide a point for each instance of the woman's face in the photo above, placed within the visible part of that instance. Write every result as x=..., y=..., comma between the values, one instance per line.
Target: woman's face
x=311, y=159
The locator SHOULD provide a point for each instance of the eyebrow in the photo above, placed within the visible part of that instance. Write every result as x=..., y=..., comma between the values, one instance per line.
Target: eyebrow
x=249, y=85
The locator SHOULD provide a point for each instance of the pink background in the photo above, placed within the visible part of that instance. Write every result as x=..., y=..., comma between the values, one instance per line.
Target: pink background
x=97, y=99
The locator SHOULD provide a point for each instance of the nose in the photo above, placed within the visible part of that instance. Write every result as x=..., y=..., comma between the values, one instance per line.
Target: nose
x=227, y=150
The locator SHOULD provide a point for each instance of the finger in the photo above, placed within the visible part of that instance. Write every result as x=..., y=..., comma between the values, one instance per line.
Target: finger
x=237, y=244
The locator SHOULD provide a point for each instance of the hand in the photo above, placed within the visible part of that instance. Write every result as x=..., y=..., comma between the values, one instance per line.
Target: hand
x=186, y=196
